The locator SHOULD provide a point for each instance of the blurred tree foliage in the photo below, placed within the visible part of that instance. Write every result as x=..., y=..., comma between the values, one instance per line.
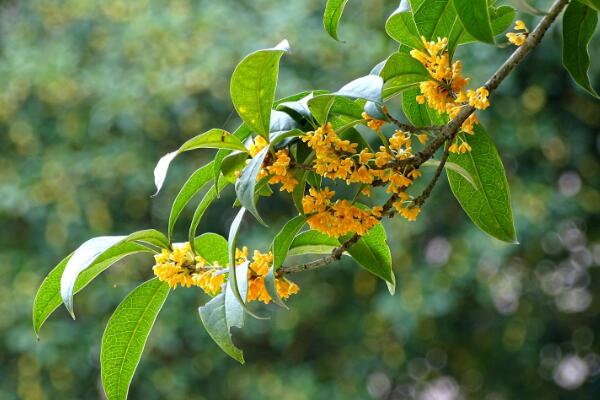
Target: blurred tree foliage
x=93, y=93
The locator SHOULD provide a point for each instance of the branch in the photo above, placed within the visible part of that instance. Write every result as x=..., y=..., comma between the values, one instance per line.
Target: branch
x=419, y=201
x=448, y=131
x=411, y=128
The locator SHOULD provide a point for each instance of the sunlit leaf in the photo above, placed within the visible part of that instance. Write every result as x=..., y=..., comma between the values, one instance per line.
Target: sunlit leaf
x=312, y=242
x=401, y=27
x=332, y=15
x=475, y=18
x=253, y=85
x=368, y=87
x=213, y=248
x=401, y=72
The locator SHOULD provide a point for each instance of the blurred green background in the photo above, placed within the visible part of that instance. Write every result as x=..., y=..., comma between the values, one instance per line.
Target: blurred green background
x=92, y=93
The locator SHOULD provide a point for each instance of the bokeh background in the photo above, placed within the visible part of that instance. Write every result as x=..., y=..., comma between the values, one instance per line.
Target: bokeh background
x=92, y=93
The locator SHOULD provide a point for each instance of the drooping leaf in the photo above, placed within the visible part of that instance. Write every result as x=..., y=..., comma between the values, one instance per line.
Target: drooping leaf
x=488, y=206
x=368, y=87
x=151, y=236
x=245, y=187
x=401, y=72
x=453, y=167
x=206, y=201
x=223, y=312
x=595, y=4
x=190, y=188
x=253, y=85
x=299, y=190
x=312, y=242
x=125, y=336
x=372, y=252
x=213, y=139
x=232, y=245
x=475, y=18
x=332, y=15
x=298, y=106
x=579, y=24
x=280, y=247
x=48, y=297
x=401, y=27
x=213, y=248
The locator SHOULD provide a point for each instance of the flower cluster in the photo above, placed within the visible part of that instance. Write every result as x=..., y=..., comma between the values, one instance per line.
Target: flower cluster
x=446, y=91
x=258, y=269
x=340, y=217
x=277, y=168
x=518, y=38
x=180, y=267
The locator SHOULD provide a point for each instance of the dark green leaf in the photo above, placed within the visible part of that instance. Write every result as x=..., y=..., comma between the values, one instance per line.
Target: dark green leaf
x=332, y=15
x=475, y=18
x=401, y=72
x=253, y=86
x=502, y=18
x=488, y=206
x=125, y=336
x=401, y=27
x=193, y=185
x=595, y=4
x=48, y=297
x=579, y=24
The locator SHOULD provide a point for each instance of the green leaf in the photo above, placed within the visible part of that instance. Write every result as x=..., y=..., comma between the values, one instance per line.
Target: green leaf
x=475, y=18
x=401, y=72
x=253, y=85
x=368, y=87
x=298, y=106
x=48, y=297
x=126, y=334
x=213, y=139
x=502, y=18
x=193, y=185
x=595, y=4
x=299, y=190
x=280, y=247
x=579, y=24
x=232, y=164
x=281, y=122
x=312, y=242
x=372, y=252
x=206, y=201
x=151, y=236
x=436, y=18
x=242, y=133
x=416, y=113
x=453, y=167
x=340, y=111
x=224, y=312
x=332, y=15
x=245, y=187
x=488, y=206
x=213, y=248
x=232, y=244
x=401, y=27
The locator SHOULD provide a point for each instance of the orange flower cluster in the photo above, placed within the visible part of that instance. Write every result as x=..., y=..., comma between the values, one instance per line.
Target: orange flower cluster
x=278, y=169
x=340, y=217
x=181, y=267
x=258, y=269
x=446, y=91
x=518, y=38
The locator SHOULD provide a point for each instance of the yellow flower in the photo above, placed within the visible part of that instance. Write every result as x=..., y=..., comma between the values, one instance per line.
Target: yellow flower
x=518, y=39
x=258, y=269
x=280, y=173
x=520, y=26
x=373, y=123
x=258, y=144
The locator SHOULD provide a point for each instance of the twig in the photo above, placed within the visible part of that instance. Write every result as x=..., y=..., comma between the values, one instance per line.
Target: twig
x=448, y=131
x=411, y=128
x=419, y=201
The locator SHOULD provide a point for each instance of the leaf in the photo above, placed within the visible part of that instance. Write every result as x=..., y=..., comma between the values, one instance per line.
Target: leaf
x=416, y=113
x=213, y=248
x=213, y=139
x=401, y=27
x=298, y=106
x=299, y=190
x=312, y=242
x=489, y=206
x=401, y=72
x=436, y=18
x=223, y=312
x=253, y=86
x=372, y=252
x=595, y=4
x=206, y=201
x=232, y=244
x=340, y=111
x=232, y=165
x=502, y=18
x=475, y=18
x=48, y=297
x=151, y=236
x=280, y=246
x=579, y=24
x=82, y=258
x=242, y=133
x=126, y=334
x=281, y=122
x=332, y=15
x=193, y=185
x=245, y=187
x=368, y=87
x=453, y=167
